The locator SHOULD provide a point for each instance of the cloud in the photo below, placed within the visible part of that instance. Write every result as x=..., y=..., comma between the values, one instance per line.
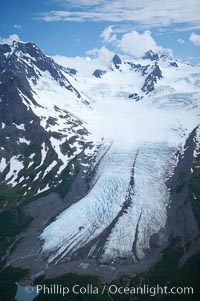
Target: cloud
x=17, y=26
x=78, y=3
x=10, y=39
x=96, y=58
x=187, y=28
x=137, y=44
x=132, y=42
x=195, y=39
x=102, y=56
x=181, y=41
x=108, y=35
x=146, y=13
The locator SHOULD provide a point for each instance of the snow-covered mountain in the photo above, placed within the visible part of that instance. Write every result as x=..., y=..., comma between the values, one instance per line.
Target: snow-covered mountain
x=120, y=133
x=39, y=135
x=145, y=109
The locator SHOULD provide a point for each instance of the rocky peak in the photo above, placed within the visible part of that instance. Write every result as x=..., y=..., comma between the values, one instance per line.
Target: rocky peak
x=151, y=55
x=117, y=61
x=26, y=56
x=27, y=61
x=99, y=73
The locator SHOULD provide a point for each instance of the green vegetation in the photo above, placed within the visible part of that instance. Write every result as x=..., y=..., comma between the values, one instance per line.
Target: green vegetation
x=194, y=189
x=11, y=197
x=27, y=190
x=8, y=277
x=12, y=217
x=167, y=272
x=12, y=222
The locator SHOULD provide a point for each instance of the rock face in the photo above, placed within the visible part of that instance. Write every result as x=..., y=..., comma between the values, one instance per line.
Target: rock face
x=135, y=96
x=152, y=79
x=37, y=138
x=151, y=55
x=173, y=64
x=118, y=164
x=117, y=61
x=183, y=221
x=99, y=73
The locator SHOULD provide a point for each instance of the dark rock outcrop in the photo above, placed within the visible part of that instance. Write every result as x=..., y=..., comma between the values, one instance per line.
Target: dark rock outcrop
x=151, y=80
x=151, y=55
x=99, y=73
x=117, y=61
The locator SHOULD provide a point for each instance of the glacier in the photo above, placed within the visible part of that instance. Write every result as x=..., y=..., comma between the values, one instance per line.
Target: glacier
x=129, y=200
x=146, y=212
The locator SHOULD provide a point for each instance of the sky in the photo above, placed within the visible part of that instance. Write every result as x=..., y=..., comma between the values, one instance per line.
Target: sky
x=98, y=28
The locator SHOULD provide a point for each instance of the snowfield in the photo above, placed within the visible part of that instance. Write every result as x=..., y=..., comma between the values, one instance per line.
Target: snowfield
x=128, y=203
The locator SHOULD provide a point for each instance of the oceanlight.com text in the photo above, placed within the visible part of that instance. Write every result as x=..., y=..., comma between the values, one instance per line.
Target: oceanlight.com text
x=56, y=289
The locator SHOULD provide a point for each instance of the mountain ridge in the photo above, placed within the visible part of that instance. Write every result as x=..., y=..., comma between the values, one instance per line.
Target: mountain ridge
x=99, y=142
